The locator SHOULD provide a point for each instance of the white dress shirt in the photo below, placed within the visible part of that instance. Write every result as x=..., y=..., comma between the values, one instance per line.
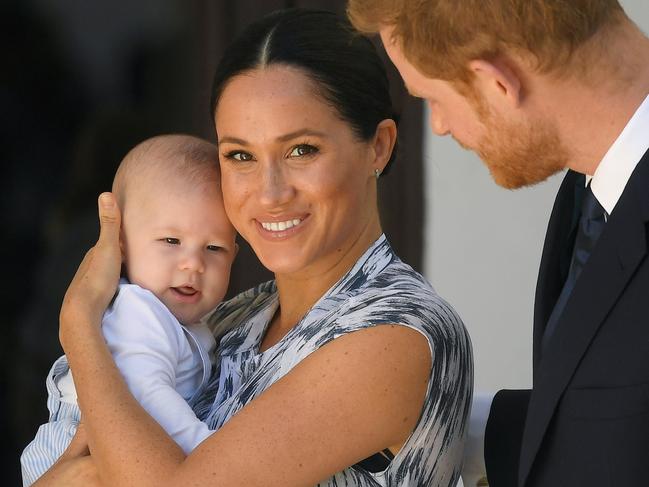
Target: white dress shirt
x=614, y=170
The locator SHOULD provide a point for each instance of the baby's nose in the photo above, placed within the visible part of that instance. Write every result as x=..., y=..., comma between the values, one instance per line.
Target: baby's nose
x=193, y=261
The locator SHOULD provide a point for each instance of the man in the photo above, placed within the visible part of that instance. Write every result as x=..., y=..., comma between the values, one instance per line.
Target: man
x=536, y=86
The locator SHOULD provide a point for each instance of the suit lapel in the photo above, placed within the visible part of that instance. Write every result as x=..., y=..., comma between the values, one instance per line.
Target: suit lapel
x=555, y=261
x=619, y=251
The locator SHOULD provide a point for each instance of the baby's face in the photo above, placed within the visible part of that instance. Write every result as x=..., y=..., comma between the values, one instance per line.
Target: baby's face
x=179, y=244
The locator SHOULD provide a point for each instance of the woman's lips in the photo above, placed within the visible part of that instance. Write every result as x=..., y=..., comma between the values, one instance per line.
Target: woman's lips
x=281, y=225
x=280, y=229
x=186, y=294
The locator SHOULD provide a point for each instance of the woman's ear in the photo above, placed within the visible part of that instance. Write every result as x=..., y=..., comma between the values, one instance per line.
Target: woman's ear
x=383, y=144
x=497, y=82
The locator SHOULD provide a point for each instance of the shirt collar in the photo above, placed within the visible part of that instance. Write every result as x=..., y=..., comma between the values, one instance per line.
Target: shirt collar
x=615, y=169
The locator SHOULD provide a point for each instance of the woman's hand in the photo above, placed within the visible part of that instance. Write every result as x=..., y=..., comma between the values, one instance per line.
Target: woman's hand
x=75, y=467
x=95, y=282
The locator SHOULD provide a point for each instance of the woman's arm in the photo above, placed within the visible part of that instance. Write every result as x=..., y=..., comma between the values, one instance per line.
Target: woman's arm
x=343, y=403
x=353, y=397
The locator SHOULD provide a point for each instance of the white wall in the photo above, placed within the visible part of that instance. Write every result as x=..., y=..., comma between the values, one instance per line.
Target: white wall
x=483, y=247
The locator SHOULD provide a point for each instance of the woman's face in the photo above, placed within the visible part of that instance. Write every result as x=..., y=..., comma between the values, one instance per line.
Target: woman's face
x=297, y=182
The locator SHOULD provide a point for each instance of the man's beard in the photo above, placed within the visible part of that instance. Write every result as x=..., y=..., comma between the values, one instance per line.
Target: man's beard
x=520, y=155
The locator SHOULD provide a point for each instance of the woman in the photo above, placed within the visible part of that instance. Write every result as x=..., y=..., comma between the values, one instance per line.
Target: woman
x=347, y=369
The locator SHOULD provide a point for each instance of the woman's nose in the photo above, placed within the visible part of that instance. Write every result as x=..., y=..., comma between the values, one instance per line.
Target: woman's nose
x=276, y=188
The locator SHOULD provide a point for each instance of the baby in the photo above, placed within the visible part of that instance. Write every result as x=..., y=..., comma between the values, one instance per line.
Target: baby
x=178, y=246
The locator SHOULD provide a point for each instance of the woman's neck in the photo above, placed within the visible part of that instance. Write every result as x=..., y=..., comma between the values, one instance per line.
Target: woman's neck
x=298, y=292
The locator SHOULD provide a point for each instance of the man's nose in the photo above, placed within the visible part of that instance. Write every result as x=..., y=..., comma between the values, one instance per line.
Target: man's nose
x=437, y=122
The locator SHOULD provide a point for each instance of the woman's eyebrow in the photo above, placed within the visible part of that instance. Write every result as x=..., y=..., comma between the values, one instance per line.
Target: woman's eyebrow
x=281, y=138
x=300, y=133
x=232, y=140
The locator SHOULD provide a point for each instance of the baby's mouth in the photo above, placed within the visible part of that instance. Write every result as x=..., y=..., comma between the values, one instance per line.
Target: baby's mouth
x=185, y=290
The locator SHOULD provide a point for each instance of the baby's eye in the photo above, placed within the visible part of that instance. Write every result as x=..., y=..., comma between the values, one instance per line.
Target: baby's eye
x=214, y=248
x=172, y=241
x=302, y=150
x=239, y=156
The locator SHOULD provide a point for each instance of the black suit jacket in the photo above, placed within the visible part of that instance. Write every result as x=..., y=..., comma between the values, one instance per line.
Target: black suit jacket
x=586, y=421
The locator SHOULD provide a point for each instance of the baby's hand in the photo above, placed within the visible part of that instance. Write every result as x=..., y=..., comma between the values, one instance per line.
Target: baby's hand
x=95, y=282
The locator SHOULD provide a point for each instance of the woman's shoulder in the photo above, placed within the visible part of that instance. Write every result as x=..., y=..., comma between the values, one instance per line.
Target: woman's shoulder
x=401, y=295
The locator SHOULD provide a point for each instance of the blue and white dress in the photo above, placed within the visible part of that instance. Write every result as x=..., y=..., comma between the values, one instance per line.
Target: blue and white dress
x=379, y=289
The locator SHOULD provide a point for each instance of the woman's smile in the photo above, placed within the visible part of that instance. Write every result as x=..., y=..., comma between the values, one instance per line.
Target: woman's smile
x=282, y=225
x=284, y=228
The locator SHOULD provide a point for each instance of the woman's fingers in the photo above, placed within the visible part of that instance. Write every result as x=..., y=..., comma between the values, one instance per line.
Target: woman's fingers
x=75, y=468
x=95, y=282
x=72, y=472
x=109, y=219
x=107, y=255
x=78, y=447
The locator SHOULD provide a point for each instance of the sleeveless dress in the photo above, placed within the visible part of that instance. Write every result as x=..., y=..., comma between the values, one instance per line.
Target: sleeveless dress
x=379, y=289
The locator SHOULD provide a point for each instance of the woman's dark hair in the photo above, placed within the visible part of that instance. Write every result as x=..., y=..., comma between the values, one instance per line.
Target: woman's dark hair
x=343, y=64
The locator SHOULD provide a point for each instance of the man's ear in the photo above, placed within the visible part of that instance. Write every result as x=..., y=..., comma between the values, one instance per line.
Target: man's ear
x=497, y=81
x=236, y=249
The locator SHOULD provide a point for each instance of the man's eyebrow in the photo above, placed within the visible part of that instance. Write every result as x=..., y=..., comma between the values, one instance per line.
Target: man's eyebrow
x=281, y=138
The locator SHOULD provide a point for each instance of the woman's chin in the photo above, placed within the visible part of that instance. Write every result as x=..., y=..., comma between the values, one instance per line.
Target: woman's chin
x=285, y=262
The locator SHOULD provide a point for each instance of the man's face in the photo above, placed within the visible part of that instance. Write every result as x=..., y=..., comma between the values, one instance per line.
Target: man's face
x=518, y=148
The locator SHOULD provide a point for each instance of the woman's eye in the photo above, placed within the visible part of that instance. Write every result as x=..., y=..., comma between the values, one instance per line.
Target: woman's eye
x=172, y=241
x=214, y=248
x=303, y=150
x=239, y=156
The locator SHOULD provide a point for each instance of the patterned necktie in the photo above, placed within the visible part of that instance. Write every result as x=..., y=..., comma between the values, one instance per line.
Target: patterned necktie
x=591, y=225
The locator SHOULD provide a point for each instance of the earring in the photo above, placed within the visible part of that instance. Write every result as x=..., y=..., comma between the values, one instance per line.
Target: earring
x=377, y=173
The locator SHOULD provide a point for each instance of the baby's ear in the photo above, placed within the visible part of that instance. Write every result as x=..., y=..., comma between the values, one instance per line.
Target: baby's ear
x=236, y=249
